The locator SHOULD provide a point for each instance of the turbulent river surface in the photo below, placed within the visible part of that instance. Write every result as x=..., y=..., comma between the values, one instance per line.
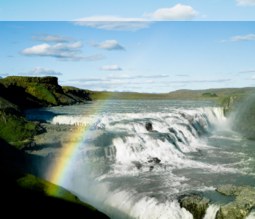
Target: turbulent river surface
x=138, y=156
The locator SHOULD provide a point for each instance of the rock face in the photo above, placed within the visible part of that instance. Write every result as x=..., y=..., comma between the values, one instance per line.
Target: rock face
x=243, y=204
x=77, y=94
x=195, y=204
x=154, y=160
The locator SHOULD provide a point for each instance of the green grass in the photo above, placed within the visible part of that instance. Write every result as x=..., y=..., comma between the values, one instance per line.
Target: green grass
x=47, y=188
x=41, y=92
x=15, y=129
x=208, y=94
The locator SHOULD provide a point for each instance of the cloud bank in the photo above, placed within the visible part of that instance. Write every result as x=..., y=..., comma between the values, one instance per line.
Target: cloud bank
x=109, y=22
x=113, y=23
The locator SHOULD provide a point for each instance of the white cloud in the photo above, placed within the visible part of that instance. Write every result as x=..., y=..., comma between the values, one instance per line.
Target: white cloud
x=111, y=68
x=109, y=45
x=51, y=38
x=39, y=71
x=58, y=50
x=113, y=23
x=108, y=22
x=62, y=51
x=248, y=37
x=246, y=2
x=177, y=12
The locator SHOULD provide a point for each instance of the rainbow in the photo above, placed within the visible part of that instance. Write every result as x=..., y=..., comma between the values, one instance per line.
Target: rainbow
x=58, y=173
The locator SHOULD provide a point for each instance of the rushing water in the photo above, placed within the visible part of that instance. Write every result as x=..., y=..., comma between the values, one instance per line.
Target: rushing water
x=130, y=171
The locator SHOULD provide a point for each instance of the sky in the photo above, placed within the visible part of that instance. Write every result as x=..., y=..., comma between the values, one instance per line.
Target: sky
x=142, y=46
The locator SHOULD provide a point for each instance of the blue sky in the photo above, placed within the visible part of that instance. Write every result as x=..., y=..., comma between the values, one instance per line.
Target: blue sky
x=150, y=46
x=66, y=10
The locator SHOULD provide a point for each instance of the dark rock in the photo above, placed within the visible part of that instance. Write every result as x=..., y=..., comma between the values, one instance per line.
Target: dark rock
x=154, y=160
x=195, y=204
x=148, y=126
x=151, y=168
x=172, y=130
x=137, y=164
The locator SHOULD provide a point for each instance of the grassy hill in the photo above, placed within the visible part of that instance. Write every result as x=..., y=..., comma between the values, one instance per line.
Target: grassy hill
x=215, y=94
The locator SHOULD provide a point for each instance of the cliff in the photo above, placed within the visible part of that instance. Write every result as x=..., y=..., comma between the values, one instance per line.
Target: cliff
x=20, y=93
x=39, y=92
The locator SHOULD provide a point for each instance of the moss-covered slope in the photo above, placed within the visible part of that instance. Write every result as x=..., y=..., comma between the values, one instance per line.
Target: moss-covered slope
x=15, y=129
x=28, y=92
x=29, y=196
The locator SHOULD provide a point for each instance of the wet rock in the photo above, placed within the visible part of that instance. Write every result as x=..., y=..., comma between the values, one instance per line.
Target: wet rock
x=151, y=168
x=172, y=130
x=195, y=204
x=154, y=160
x=137, y=164
x=148, y=126
x=241, y=206
x=229, y=190
x=233, y=210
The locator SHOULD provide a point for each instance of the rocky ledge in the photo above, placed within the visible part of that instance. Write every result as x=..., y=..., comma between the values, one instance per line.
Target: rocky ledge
x=243, y=202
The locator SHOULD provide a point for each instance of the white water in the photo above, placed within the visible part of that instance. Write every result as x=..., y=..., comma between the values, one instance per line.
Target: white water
x=251, y=215
x=130, y=172
x=211, y=211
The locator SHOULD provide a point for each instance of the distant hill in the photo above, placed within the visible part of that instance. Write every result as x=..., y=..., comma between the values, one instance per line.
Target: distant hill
x=212, y=94
x=215, y=92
